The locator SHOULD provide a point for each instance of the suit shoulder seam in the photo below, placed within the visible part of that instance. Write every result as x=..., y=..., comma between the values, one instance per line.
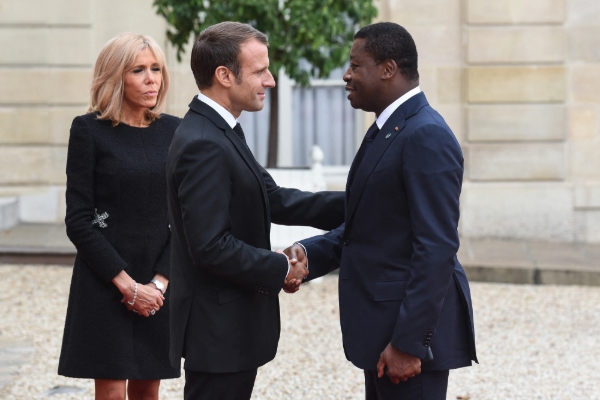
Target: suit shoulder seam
x=201, y=138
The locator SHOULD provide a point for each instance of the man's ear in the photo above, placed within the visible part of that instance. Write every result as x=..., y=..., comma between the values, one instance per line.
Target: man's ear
x=223, y=76
x=390, y=68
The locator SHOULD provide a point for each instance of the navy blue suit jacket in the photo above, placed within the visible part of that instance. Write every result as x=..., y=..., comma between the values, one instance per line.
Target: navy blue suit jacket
x=400, y=280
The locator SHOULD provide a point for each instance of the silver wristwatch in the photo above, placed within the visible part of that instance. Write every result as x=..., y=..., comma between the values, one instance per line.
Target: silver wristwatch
x=159, y=285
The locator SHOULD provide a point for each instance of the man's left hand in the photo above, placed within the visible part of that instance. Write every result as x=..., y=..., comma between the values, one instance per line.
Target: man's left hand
x=400, y=366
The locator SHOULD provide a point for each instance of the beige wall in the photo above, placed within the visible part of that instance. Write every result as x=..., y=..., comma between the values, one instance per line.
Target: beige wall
x=48, y=52
x=517, y=80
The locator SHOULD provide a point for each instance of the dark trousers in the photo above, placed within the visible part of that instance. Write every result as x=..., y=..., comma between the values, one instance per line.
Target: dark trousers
x=209, y=386
x=430, y=385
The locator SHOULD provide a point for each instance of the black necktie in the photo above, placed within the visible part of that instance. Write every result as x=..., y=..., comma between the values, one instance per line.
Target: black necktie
x=238, y=129
x=364, y=147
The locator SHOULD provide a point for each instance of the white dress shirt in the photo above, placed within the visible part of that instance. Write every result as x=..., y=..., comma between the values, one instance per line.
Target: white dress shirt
x=389, y=110
x=227, y=116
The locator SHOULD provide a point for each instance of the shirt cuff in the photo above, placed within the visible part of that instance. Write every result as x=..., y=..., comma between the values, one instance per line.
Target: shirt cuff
x=289, y=265
x=306, y=254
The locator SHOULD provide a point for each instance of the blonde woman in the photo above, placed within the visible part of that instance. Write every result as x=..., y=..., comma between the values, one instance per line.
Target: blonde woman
x=117, y=324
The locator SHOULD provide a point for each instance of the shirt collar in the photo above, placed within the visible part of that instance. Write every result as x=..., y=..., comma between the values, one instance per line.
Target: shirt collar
x=227, y=116
x=383, y=117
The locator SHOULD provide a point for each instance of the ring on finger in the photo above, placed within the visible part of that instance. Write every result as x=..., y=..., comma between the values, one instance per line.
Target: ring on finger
x=152, y=312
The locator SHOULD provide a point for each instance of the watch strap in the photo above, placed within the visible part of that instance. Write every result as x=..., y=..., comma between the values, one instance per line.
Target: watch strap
x=159, y=285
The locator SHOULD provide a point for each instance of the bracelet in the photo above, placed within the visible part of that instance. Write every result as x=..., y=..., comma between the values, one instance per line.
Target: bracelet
x=132, y=302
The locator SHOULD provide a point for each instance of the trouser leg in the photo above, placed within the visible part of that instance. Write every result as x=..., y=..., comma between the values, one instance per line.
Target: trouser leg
x=211, y=386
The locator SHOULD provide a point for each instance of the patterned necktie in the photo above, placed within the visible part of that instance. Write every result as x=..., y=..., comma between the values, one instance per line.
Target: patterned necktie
x=364, y=147
x=238, y=129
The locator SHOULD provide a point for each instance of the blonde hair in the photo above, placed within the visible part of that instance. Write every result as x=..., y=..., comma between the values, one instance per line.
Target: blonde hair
x=117, y=57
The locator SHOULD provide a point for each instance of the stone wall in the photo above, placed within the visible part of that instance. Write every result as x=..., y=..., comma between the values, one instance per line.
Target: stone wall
x=516, y=112
x=48, y=52
x=517, y=80
x=583, y=27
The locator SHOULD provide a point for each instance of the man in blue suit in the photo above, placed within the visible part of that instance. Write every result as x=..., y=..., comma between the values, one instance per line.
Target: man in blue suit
x=405, y=304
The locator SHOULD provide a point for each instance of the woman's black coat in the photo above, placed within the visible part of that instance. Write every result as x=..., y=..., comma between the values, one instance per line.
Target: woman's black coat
x=118, y=174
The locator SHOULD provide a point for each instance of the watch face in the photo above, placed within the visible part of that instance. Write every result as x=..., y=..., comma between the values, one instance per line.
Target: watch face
x=159, y=285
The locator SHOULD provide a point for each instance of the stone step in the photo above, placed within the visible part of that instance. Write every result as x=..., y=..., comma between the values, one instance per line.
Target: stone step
x=530, y=262
x=37, y=255
x=9, y=212
x=532, y=275
x=36, y=244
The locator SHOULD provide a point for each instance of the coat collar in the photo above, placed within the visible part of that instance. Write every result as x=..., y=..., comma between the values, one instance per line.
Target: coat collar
x=384, y=138
x=202, y=108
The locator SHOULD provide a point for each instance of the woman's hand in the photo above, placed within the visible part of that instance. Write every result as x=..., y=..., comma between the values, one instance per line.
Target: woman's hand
x=126, y=286
x=147, y=299
x=148, y=302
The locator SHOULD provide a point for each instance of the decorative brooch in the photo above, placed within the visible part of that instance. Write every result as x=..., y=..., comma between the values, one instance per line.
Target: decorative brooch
x=99, y=219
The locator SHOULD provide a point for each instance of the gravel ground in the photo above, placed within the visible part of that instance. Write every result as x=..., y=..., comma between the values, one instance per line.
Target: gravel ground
x=534, y=342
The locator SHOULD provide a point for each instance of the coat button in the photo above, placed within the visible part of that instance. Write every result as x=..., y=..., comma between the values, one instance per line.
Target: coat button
x=346, y=242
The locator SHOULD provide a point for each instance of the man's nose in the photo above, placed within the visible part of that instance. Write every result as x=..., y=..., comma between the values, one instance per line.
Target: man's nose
x=270, y=81
x=347, y=77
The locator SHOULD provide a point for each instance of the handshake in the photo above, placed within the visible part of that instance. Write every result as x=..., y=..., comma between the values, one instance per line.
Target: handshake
x=298, y=267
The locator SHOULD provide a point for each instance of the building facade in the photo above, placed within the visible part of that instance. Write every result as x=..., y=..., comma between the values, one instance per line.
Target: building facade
x=517, y=80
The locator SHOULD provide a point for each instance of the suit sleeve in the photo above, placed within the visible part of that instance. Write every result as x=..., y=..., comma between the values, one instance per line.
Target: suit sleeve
x=92, y=247
x=432, y=170
x=321, y=210
x=163, y=264
x=324, y=252
x=204, y=188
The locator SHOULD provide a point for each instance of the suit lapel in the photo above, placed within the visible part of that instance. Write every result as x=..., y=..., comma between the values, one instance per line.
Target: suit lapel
x=382, y=141
x=251, y=162
x=241, y=147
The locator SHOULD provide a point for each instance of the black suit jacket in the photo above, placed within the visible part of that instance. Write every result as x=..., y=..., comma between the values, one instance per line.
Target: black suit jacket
x=225, y=279
x=400, y=280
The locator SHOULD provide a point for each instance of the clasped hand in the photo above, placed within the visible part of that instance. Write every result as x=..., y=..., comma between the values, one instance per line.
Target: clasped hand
x=298, y=268
x=148, y=299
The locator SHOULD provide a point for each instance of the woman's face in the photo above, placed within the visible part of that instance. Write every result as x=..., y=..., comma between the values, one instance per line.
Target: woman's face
x=142, y=82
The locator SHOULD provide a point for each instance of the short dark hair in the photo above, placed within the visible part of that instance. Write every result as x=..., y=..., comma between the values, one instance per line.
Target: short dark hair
x=219, y=45
x=389, y=41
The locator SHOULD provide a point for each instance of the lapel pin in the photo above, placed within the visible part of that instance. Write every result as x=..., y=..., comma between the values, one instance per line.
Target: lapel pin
x=388, y=135
x=396, y=128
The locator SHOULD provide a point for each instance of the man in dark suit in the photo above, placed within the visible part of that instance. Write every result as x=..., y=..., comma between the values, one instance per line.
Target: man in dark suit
x=405, y=305
x=224, y=278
